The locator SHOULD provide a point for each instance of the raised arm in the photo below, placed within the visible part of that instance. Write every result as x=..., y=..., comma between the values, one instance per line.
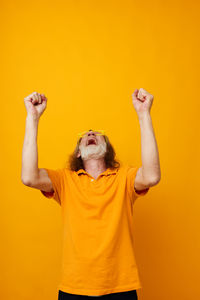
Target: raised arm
x=31, y=175
x=149, y=174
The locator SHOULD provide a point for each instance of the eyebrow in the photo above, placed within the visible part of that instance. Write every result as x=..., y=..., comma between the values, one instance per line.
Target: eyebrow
x=92, y=131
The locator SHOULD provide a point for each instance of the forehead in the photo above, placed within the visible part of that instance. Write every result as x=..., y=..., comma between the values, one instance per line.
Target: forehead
x=96, y=132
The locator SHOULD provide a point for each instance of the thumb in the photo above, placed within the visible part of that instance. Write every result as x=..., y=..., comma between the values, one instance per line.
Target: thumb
x=135, y=93
x=44, y=99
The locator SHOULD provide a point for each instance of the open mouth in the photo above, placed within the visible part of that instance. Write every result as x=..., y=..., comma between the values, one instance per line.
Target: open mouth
x=91, y=142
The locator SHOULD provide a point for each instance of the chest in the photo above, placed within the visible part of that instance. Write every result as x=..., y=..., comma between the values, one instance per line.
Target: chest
x=86, y=190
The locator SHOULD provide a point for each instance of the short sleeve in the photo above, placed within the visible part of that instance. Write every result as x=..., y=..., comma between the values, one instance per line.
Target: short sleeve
x=57, y=179
x=131, y=174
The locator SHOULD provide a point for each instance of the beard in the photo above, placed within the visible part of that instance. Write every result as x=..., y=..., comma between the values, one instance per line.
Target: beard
x=93, y=151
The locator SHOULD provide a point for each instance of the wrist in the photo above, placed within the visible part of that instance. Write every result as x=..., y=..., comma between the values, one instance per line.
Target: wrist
x=32, y=117
x=143, y=115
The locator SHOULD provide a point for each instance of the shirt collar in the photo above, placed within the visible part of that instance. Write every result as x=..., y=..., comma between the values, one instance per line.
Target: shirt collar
x=108, y=171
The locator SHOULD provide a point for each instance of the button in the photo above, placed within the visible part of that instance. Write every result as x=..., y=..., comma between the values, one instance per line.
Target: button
x=92, y=179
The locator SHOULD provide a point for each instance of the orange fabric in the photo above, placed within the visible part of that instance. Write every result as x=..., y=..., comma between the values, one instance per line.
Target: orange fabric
x=98, y=251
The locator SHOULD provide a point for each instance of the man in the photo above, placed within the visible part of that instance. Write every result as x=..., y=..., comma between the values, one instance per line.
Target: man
x=96, y=195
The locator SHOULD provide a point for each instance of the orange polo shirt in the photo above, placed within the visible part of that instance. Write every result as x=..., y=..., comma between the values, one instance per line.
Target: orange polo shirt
x=98, y=250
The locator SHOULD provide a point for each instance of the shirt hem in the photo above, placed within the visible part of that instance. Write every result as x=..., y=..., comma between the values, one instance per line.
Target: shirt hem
x=91, y=292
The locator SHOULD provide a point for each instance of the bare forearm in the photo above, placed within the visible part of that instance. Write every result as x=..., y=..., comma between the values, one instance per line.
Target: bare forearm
x=29, y=169
x=150, y=156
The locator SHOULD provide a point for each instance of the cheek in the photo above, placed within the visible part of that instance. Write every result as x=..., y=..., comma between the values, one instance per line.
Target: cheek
x=81, y=142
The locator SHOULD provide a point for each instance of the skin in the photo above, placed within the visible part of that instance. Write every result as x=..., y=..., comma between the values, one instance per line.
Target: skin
x=148, y=174
x=93, y=166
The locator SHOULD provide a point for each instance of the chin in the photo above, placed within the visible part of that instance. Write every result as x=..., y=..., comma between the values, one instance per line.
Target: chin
x=93, y=151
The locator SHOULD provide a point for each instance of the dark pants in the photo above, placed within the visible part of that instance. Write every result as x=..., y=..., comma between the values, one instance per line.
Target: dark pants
x=129, y=295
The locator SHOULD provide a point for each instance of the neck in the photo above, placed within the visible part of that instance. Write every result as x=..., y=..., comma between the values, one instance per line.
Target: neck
x=95, y=166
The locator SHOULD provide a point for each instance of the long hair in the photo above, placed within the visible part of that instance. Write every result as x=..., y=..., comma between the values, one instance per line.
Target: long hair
x=75, y=163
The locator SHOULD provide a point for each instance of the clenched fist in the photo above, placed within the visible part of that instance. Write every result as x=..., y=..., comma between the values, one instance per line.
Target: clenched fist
x=142, y=101
x=35, y=104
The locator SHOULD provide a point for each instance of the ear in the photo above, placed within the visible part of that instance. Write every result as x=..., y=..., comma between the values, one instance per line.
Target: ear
x=78, y=154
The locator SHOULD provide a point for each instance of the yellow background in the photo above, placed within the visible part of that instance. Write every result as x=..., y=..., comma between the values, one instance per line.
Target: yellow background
x=88, y=57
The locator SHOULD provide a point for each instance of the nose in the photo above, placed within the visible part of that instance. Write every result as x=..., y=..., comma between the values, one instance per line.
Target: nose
x=91, y=133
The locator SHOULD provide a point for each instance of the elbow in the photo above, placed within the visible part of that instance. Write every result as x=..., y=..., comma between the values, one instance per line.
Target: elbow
x=25, y=181
x=152, y=179
x=155, y=180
